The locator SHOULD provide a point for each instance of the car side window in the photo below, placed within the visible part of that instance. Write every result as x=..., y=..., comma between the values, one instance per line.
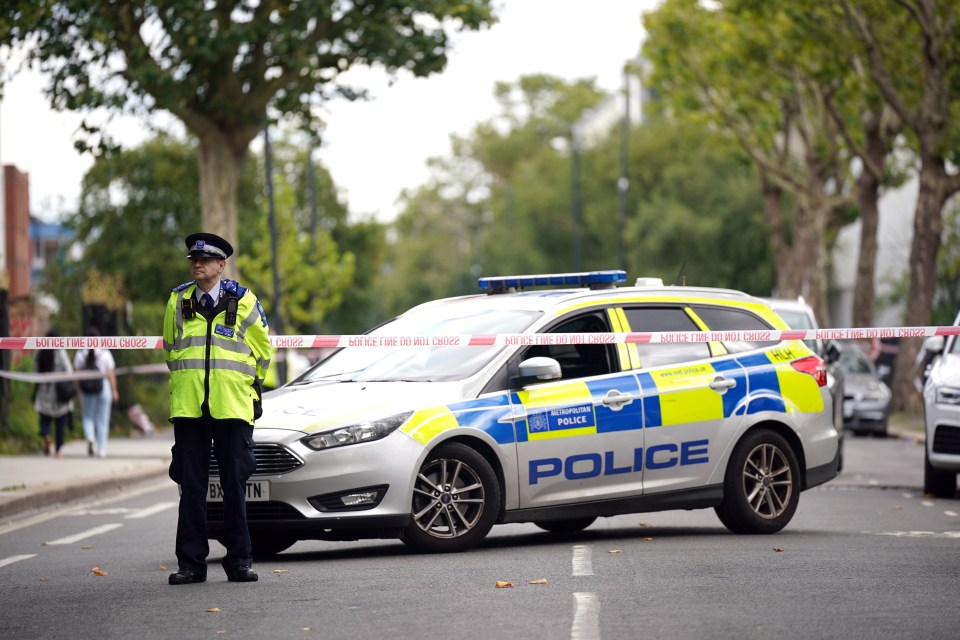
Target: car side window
x=665, y=319
x=578, y=360
x=727, y=319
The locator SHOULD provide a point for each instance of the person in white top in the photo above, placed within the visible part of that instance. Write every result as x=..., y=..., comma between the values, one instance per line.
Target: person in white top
x=97, y=395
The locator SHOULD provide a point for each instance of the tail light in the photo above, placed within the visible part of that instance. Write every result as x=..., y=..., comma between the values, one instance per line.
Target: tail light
x=814, y=366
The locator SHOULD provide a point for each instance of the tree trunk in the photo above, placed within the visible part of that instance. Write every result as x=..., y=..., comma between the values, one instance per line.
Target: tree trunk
x=868, y=193
x=220, y=167
x=772, y=213
x=927, y=227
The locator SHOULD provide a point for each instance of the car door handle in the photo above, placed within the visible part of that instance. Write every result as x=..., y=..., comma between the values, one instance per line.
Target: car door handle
x=722, y=384
x=616, y=400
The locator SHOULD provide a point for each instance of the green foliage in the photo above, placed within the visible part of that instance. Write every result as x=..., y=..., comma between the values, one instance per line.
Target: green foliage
x=502, y=203
x=312, y=272
x=21, y=434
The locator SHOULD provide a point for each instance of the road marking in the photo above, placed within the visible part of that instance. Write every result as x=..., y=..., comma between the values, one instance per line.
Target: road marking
x=86, y=534
x=13, y=559
x=582, y=560
x=43, y=517
x=917, y=534
x=149, y=511
x=586, y=617
x=950, y=513
x=926, y=503
x=115, y=511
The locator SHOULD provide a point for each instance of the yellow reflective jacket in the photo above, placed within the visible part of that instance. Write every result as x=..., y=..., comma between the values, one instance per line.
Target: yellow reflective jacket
x=211, y=362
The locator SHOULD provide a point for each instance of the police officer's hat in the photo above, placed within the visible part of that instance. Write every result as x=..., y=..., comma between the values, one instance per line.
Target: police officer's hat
x=208, y=245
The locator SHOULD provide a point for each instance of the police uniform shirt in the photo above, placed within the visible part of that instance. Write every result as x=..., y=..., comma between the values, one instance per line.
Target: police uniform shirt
x=214, y=293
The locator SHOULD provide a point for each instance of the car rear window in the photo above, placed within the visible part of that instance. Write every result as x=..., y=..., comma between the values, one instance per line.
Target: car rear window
x=665, y=319
x=728, y=319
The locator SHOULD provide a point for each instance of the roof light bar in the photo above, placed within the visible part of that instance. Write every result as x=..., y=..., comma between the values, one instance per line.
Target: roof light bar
x=592, y=279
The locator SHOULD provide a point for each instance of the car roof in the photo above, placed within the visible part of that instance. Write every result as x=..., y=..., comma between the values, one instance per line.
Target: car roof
x=555, y=299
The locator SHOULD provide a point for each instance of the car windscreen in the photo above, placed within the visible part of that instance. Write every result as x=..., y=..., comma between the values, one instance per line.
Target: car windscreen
x=423, y=363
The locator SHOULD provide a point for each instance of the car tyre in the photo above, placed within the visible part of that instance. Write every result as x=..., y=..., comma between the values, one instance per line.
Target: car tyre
x=267, y=544
x=456, y=499
x=761, y=487
x=566, y=526
x=939, y=484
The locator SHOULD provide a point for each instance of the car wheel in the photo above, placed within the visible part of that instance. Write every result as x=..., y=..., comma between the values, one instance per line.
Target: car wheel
x=269, y=544
x=456, y=498
x=939, y=484
x=761, y=488
x=565, y=526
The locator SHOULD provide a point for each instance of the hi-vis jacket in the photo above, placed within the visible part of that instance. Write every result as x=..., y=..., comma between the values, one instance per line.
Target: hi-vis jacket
x=215, y=362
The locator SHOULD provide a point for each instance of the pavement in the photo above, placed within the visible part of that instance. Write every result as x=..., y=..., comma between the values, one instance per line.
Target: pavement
x=34, y=481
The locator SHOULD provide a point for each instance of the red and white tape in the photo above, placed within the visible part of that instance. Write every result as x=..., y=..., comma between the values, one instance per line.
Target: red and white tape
x=500, y=339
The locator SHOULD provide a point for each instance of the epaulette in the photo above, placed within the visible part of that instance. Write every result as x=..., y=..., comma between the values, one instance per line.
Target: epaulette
x=232, y=286
x=183, y=286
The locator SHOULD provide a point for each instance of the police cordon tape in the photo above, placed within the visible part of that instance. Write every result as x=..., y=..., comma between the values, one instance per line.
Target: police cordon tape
x=500, y=339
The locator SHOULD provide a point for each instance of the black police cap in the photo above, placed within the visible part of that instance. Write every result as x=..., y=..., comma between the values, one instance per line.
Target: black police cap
x=208, y=245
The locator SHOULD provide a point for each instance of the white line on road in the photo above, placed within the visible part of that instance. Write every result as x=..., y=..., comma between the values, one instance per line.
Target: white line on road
x=950, y=513
x=86, y=534
x=149, y=511
x=50, y=515
x=586, y=617
x=13, y=559
x=582, y=560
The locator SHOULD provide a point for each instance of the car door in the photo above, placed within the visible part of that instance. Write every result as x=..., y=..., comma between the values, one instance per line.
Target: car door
x=691, y=392
x=577, y=437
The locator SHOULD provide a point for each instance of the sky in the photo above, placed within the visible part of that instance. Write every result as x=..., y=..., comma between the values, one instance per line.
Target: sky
x=377, y=148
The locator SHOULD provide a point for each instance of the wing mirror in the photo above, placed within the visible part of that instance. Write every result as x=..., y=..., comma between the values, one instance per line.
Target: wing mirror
x=933, y=344
x=831, y=352
x=539, y=369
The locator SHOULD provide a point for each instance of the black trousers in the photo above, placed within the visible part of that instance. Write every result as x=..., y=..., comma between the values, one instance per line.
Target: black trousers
x=233, y=447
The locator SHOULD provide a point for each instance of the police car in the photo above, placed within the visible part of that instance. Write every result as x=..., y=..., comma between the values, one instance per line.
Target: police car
x=434, y=443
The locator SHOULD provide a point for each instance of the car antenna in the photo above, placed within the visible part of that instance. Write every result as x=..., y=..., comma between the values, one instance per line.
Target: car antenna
x=679, y=279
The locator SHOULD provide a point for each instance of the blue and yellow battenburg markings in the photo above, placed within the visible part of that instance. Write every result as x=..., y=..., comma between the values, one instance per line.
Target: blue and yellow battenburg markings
x=674, y=396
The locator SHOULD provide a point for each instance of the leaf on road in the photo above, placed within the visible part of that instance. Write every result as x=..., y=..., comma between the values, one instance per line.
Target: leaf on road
x=648, y=539
x=778, y=549
x=615, y=551
x=213, y=610
x=163, y=568
x=44, y=579
x=281, y=570
x=897, y=508
x=540, y=581
x=503, y=585
x=644, y=525
x=87, y=546
x=97, y=571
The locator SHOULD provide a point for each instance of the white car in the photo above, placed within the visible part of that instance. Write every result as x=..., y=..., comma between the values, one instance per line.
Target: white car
x=434, y=444
x=941, y=416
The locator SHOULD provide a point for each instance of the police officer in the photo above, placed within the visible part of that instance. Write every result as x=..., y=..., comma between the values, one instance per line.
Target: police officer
x=218, y=351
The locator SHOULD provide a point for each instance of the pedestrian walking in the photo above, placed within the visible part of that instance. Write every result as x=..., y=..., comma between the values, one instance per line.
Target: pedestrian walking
x=97, y=394
x=53, y=401
x=217, y=349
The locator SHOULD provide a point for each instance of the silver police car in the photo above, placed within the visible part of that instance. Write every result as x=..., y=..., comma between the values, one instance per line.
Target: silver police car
x=941, y=416
x=411, y=433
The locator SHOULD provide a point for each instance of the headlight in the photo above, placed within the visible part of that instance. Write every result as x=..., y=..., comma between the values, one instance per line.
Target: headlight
x=948, y=395
x=356, y=433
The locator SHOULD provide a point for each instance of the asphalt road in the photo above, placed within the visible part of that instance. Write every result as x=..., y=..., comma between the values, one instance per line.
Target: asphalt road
x=866, y=556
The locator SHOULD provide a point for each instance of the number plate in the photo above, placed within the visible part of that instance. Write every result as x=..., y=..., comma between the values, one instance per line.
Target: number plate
x=257, y=491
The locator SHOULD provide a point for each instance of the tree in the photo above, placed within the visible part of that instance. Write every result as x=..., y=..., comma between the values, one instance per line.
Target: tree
x=739, y=67
x=220, y=65
x=927, y=33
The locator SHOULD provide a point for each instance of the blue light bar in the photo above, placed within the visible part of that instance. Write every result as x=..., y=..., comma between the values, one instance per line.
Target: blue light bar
x=592, y=279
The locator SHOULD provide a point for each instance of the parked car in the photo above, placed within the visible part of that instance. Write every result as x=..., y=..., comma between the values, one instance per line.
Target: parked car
x=866, y=399
x=799, y=315
x=941, y=416
x=412, y=433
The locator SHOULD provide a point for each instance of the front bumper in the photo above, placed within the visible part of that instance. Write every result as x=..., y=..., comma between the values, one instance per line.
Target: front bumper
x=390, y=463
